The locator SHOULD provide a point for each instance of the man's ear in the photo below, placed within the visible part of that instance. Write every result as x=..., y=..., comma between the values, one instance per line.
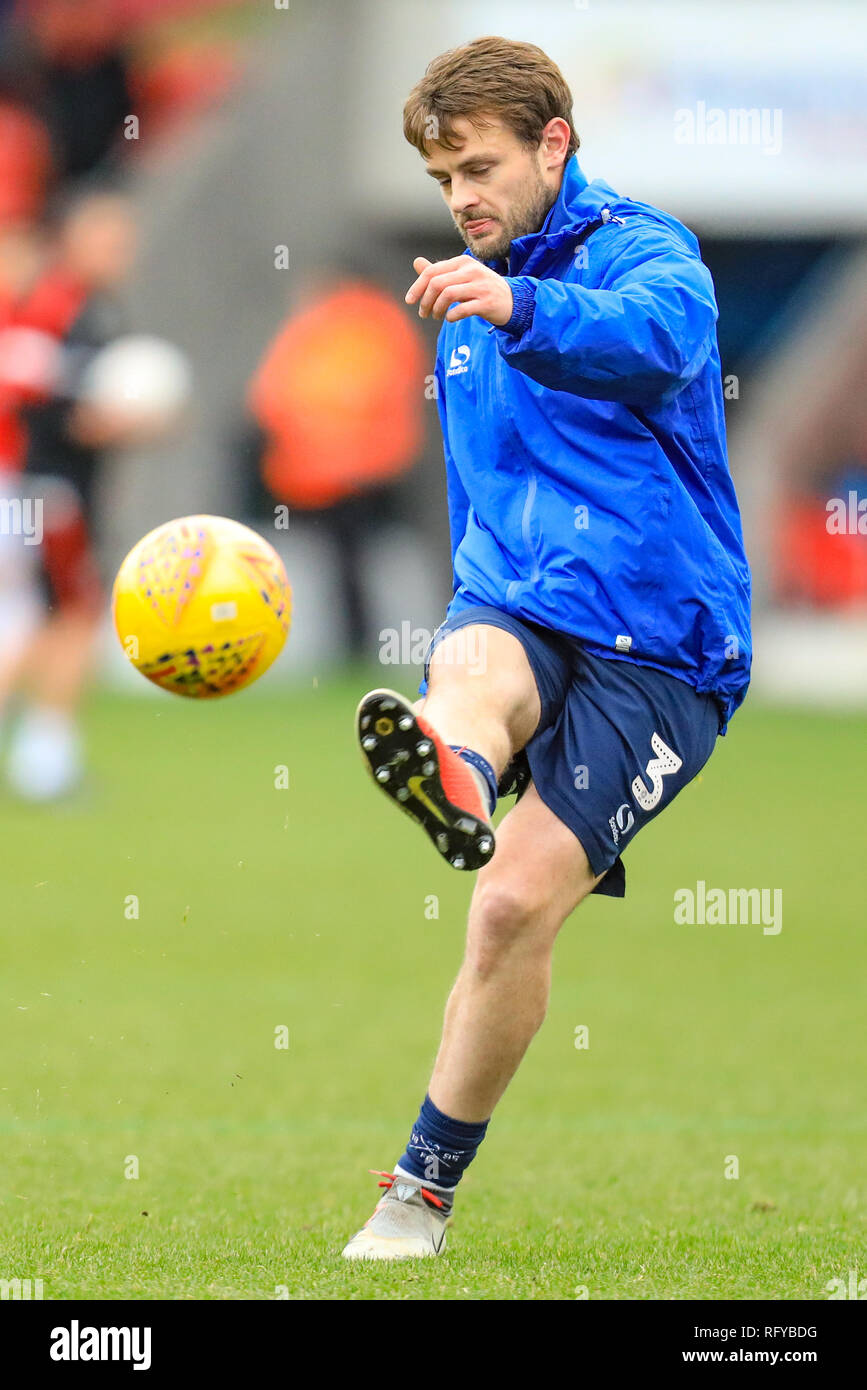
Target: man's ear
x=555, y=143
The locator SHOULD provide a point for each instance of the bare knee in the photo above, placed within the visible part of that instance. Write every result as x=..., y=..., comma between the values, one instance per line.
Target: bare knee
x=507, y=918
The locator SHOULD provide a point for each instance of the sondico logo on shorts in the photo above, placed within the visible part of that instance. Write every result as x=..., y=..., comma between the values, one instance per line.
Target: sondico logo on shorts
x=665, y=762
x=458, y=361
x=622, y=821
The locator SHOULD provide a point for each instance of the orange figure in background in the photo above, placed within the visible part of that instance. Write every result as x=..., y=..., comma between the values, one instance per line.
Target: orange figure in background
x=25, y=164
x=338, y=400
x=339, y=396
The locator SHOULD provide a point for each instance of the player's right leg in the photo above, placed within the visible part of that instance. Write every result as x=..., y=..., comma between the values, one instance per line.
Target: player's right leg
x=440, y=759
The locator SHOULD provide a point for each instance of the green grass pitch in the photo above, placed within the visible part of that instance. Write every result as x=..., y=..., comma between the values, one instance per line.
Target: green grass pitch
x=150, y=1040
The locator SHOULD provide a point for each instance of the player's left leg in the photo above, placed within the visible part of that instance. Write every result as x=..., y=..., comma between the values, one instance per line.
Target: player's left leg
x=521, y=899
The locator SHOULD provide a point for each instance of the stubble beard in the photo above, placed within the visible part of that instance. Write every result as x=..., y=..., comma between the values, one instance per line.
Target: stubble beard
x=523, y=219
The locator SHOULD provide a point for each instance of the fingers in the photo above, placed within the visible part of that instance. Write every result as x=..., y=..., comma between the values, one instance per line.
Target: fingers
x=466, y=310
x=436, y=297
x=427, y=271
x=455, y=290
x=461, y=281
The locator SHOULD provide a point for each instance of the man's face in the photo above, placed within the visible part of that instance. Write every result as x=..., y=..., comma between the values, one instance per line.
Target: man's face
x=99, y=241
x=495, y=188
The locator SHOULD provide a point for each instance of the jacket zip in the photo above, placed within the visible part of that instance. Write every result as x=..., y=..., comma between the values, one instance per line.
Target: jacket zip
x=602, y=220
x=605, y=216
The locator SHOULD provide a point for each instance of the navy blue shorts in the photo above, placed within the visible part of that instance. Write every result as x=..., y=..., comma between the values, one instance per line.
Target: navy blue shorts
x=616, y=741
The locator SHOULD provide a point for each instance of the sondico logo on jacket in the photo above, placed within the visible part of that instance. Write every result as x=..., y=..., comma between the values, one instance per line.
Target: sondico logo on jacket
x=458, y=361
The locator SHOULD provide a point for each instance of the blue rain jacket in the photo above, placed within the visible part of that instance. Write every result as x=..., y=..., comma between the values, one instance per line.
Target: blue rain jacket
x=588, y=483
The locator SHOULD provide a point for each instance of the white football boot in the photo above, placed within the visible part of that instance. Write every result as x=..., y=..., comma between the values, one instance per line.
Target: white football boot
x=409, y=1221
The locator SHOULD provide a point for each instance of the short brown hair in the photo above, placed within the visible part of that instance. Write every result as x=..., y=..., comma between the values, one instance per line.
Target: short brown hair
x=501, y=77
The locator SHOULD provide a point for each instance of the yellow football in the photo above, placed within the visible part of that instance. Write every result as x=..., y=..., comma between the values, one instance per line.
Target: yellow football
x=202, y=606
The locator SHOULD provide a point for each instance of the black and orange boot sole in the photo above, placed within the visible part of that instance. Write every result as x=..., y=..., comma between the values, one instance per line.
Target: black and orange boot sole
x=420, y=772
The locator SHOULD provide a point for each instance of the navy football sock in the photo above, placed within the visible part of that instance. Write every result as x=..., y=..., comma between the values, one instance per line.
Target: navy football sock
x=481, y=765
x=440, y=1148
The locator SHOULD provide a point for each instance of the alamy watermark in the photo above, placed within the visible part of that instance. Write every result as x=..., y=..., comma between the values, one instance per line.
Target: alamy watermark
x=77, y=1343
x=703, y=906
x=408, y=645
x=853, y=1287
x=20, y=1290
x=22, y=516
x=736, y=125
x=847, y=516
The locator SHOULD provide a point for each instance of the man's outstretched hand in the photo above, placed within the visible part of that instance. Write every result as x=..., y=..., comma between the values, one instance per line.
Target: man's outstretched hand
x=478, y=290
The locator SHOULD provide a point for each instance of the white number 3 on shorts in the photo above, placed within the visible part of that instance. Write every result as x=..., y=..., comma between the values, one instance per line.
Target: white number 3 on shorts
x=666, y=761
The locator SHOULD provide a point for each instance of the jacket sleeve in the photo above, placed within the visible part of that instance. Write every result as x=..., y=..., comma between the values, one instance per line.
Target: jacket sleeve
x=644, y=334
x=458, y=501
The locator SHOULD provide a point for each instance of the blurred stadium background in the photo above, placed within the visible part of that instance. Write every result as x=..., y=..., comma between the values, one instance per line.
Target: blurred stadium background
x=246, y=176
x=266, y=161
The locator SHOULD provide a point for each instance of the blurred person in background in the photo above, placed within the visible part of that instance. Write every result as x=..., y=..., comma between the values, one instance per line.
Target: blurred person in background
x=69, y=61
x=26, y=164
x=20, y=255
x=338, y=405
x=820, y=546
x=59, y=316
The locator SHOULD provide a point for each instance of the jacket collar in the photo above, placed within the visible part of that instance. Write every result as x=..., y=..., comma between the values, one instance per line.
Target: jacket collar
x=563, y=211
x=577, y=205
